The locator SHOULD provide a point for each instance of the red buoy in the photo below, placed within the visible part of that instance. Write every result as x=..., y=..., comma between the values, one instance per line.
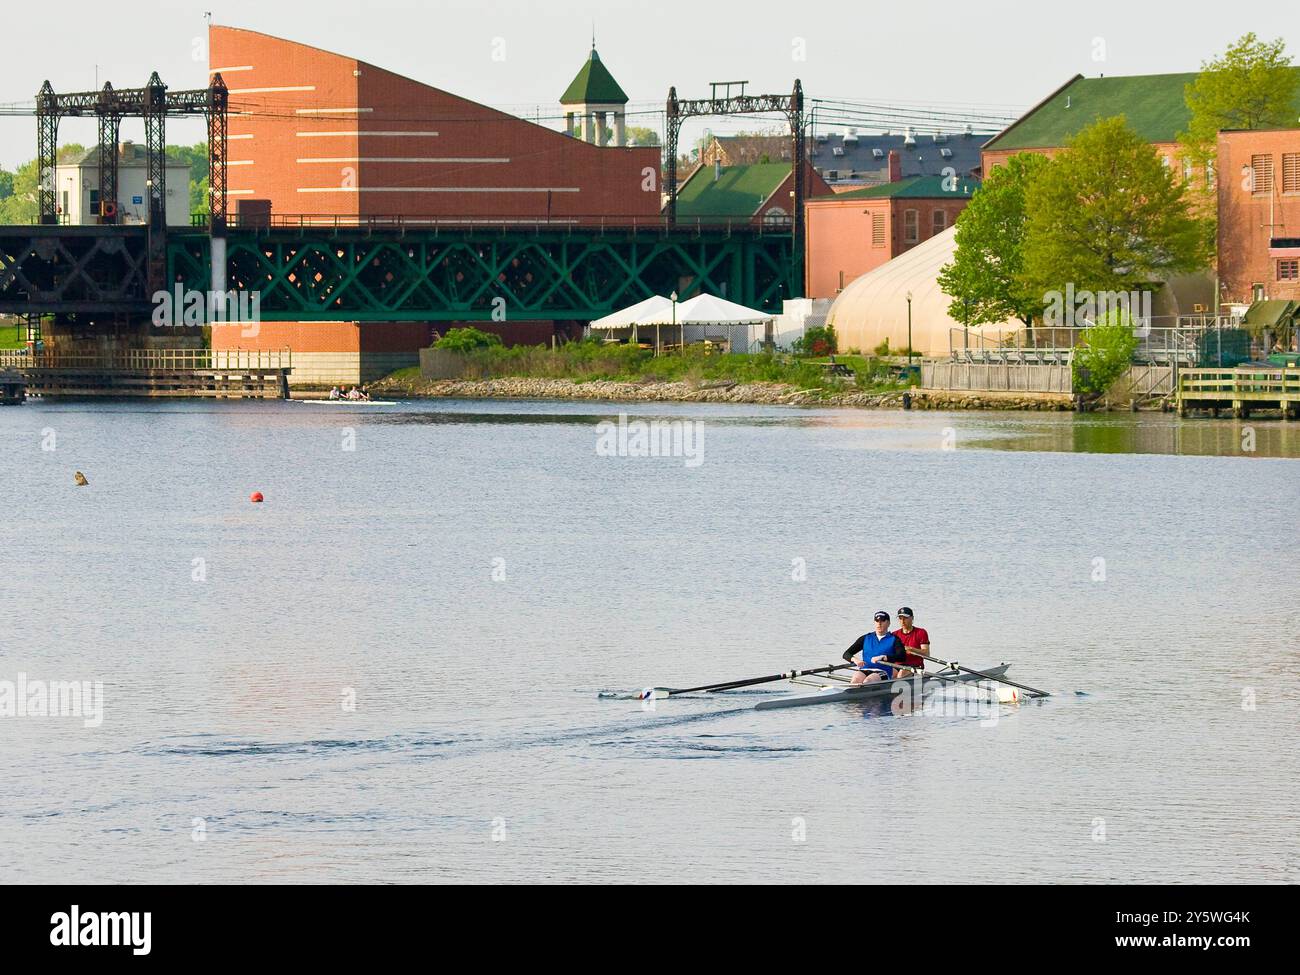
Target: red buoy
x=256, y=497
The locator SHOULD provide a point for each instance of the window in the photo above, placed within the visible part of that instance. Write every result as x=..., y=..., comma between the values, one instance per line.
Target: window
x=1288, y=270
x=1257, y=292
x=911, y=228
x=1187, y=170
x=1209, y=173
x=1261, y=171
x=939, y=222
x=877, y=230
x=1291, y=172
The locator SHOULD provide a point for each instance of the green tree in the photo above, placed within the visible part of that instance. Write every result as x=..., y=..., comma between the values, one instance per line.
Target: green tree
x=466, y=340
x=1251, y=86
x=639, y=135
x=1108, y=215
x=6, y=184
x=1105, y=354
x=984, y=278
x=817, y=341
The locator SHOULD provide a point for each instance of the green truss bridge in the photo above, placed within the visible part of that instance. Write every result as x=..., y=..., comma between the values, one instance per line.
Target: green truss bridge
x=390, y=270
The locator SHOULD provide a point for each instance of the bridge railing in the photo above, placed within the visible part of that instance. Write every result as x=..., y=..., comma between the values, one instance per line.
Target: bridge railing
x=175, y=360
x=622, y=223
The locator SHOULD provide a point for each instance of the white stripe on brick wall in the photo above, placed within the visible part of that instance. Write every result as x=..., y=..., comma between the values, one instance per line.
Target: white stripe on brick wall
x=330, y=111
x=354, y=132
x=239, y=162
x=404, y=159
x=258, y=91
x=239, y=192
x=438, y=189
x=229, y=137
x=238, y=67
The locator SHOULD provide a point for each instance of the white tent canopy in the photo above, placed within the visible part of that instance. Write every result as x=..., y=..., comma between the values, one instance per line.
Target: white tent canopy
x=699, y=319
x=705, y=310
x=627, y=317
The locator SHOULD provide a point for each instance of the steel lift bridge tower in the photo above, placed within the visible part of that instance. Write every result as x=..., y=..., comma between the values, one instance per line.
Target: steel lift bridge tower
x=791, y=106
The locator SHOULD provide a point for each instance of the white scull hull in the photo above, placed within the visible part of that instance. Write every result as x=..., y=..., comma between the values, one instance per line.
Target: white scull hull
x=875, y=691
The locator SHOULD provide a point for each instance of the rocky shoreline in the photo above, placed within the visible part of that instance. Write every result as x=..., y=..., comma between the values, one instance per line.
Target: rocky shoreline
x=774, y=394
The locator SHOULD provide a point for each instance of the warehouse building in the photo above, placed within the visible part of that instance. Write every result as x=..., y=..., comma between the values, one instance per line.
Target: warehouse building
x=319, y=137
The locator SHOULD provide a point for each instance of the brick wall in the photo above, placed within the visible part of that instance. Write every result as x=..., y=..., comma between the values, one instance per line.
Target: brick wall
x=841, y=238
x=1251, y=215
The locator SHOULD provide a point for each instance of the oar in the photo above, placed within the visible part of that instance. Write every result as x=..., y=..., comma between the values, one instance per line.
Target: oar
x=979, y=673
x=658, y=692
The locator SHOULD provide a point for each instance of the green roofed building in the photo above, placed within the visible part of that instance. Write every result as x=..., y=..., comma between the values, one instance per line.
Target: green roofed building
x=591, y=97
x=917, y=188
x=1154, y=105
x=758, y=191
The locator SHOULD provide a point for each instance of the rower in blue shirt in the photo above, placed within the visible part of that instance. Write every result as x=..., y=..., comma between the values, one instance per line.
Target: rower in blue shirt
x=874, y=652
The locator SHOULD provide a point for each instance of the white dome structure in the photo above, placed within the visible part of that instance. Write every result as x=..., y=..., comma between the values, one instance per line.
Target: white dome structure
x=873, y=308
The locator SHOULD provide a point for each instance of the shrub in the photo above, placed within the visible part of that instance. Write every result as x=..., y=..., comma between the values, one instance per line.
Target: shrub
x=817, y=341
x=1105, y=354
x=466, y=340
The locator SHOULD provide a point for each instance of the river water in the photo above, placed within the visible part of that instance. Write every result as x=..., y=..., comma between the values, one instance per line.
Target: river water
x=406, y=664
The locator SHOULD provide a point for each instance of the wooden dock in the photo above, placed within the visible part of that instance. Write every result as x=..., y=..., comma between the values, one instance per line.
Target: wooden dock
x=1240, y=390
x=13, y=388
x=203, y=373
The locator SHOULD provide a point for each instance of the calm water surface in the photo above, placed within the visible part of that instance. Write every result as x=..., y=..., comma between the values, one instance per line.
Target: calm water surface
x=477, y=576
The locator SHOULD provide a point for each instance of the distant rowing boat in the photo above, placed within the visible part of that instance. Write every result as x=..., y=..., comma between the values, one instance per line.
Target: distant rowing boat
x=350, y=402
x=874, y=691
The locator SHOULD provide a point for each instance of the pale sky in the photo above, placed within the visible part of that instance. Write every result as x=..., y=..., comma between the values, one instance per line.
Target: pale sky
x=997, y=55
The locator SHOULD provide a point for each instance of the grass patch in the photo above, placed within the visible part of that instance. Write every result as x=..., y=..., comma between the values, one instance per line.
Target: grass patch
x=13, y=337
x=594, y=360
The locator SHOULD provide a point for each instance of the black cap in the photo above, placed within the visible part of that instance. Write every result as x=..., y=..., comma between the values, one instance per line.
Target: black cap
x=905, y=611
x=881, y=615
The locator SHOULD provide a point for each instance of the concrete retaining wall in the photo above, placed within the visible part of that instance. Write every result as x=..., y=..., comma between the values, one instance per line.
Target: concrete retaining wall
x=441, y=364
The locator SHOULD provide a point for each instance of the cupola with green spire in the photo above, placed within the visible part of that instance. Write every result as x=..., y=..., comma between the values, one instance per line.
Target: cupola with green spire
x=591, y=97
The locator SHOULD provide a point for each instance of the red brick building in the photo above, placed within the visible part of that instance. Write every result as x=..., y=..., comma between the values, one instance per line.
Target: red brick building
x=1259, y=215
x=849, y=234
x=329, y=137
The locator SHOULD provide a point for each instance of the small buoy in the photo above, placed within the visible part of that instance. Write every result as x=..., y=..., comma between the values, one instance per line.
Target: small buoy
x=80, y=479
x=256, y=497
x=1007, y=695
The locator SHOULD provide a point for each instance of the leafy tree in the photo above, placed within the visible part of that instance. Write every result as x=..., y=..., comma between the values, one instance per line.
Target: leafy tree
x=984, y=278
x=466, y=340
x=1251, y=86
x=6, y=184
x=1108, y=215
x=196, y=157
x=639, y=135
x=817, y=341
x=20, y=205
x=1104, y=354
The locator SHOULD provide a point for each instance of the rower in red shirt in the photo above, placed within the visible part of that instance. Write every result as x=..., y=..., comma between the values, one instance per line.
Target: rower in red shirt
x=912, y=637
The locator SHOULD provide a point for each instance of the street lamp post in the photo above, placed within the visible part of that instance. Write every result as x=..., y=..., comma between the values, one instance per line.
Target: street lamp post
x=909, y=334
x=681, y=338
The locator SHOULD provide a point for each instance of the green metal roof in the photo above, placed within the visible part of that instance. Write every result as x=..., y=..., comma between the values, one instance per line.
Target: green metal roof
x=1155, y=106
x=738, y=192
x=913, y=188
x=1270, y=313
x=593, y=85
